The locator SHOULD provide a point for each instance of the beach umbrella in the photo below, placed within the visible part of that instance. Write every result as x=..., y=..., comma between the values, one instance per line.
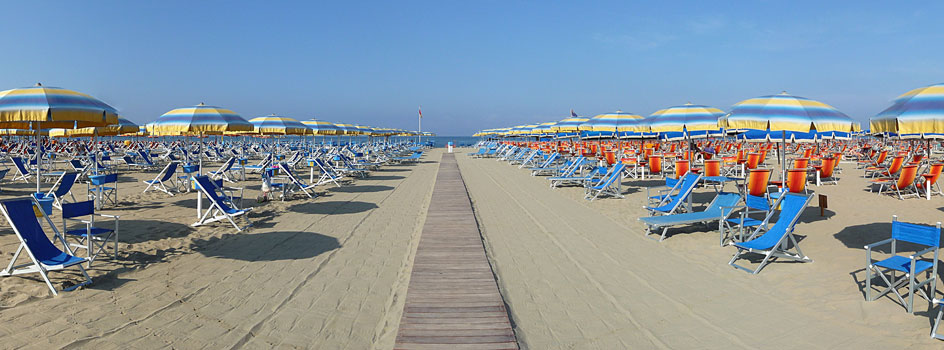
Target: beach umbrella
x=919, y=112
x=320, y=127
x=199, y=120
x=278, y=125
x=783, y=113
x=346, y=129
x=687, y=119
x=40, y=107
x=611, y=123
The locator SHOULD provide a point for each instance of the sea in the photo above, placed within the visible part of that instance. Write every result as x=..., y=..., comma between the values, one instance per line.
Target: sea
x=457, y=141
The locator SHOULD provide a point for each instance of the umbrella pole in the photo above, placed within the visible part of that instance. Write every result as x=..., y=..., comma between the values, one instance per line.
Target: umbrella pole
x=39, y=156
x=783, y=156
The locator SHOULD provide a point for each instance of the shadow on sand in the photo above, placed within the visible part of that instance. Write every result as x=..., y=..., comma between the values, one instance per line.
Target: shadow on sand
x=271, y=246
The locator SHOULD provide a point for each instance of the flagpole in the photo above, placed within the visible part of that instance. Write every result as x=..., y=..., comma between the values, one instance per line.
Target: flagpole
x=419, y=136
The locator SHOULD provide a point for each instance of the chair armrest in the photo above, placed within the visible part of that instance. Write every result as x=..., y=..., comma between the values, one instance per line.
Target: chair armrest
x=109, y=216
x=918, y=254
x=873, y=245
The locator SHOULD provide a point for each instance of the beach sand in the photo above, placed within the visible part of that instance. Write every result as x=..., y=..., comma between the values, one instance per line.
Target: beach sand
x=331, y=273
x=580, y=275
x=327, y=273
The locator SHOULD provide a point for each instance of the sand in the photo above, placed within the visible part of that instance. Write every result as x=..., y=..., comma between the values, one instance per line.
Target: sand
x=331, y=273
x=325, y=273
x=580, y=275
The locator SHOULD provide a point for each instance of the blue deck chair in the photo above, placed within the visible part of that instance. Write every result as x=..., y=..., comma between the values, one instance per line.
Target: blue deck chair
x=43, y=254
x=328, y=174
x=294, y=184
x=132, y=164
x=531, y=159
x=609, y=185
x=546, y=164
x=224, y=171
x=581, y=180
x=672, y=203
x=103, y=189
x=259, y=167
x=91, y=237
x=218, y=209
x=670, y=188
x=63, y=187
x=22, y=172
x=733, y=229
x=3, y=173
x=910, y=266
x=717, y=210
x=166, y=175
x=775, y=241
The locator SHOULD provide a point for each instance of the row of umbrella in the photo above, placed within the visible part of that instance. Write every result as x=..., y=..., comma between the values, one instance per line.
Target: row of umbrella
x=42, y=110
x=773, y=113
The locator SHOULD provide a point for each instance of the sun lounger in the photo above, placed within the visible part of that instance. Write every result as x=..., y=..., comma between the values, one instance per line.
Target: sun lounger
x=166, y=175
x=775, y=241
x=672, y=203
x=717, y=209
x=609, y=185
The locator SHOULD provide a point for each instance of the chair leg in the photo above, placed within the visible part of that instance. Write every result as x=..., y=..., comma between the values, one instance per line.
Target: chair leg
x=937, y=322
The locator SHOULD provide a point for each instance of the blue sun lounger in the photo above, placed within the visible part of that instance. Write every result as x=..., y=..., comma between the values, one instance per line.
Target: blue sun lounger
x=578, y=180
x=44, y=255
x=776, y=241
x=671, y=203
x=167, y=174
x=719, y=208
x=608, y=185
x=219, y=209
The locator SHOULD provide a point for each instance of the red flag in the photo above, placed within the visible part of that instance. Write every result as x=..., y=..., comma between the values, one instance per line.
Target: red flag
x=421, y=112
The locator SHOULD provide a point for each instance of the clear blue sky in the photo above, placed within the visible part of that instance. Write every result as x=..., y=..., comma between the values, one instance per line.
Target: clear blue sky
x=471, y=65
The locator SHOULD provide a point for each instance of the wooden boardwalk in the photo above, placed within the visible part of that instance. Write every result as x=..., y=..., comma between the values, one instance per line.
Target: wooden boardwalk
x=452, y=301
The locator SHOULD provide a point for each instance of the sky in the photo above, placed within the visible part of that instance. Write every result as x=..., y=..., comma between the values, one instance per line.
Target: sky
x=471, y=65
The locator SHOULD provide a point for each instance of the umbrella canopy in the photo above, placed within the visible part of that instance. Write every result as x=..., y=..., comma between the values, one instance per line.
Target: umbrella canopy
x=687, y=117
x=320, y=127
x=123, y=126
x=613, y=122
x=919, y=111
x=543, y=129
x=569, y=124
x=784, y=112
x=199, y=120
x=278, y=125
x=347, y=129
x=52, y=107
x=364, y=130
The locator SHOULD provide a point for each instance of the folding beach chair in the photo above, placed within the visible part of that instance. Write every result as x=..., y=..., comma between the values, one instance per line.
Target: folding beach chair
x=224, y=171
x=737, y=226
x=717, y=210
x=91, y=237
x=166, y=175
x=62, y=187
x=910, y=266
x=672, y=203
x=43, y=254
x=546, y=164
x=132, y=164
x=327, y=174
x=595, y=173
x=3, y=173
x=294, y=184
x=22, y=172
x=904, y=186
x=103, y=189
x=608, y=185
x=218, y=209
x=778, y=239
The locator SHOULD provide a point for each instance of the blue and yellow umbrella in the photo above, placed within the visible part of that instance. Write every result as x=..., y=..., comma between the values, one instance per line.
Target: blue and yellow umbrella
x=917, y=112
x=52, y=107
x=688, y=117
x=784, y=112
x=278, y=125
x=321, y=127
x=199, y=120
x=610, y=124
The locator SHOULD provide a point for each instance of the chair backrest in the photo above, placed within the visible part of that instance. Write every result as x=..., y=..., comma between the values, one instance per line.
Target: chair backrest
x=71, y=210
x=801, y=163
x=3, y=173
x=209, y=189
x=934, y=171
x=907, y=176
x=681, y=168
x=807, y=153
x=20, y=167
x=76, y=164
x=22, y=218
x=881, y=157
x=915, y=233
x=128, y=160
x=169, y=171
x=796, y=180
x=829, y=164
x=791, y=207
x=65, y=183
x=896, y=165
x=228, y=165
x=99, y=180
x=722, y=200
x=655, y=164
x=712, y=167
x=753, y=160
x=757, y=181
x=756, y=202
